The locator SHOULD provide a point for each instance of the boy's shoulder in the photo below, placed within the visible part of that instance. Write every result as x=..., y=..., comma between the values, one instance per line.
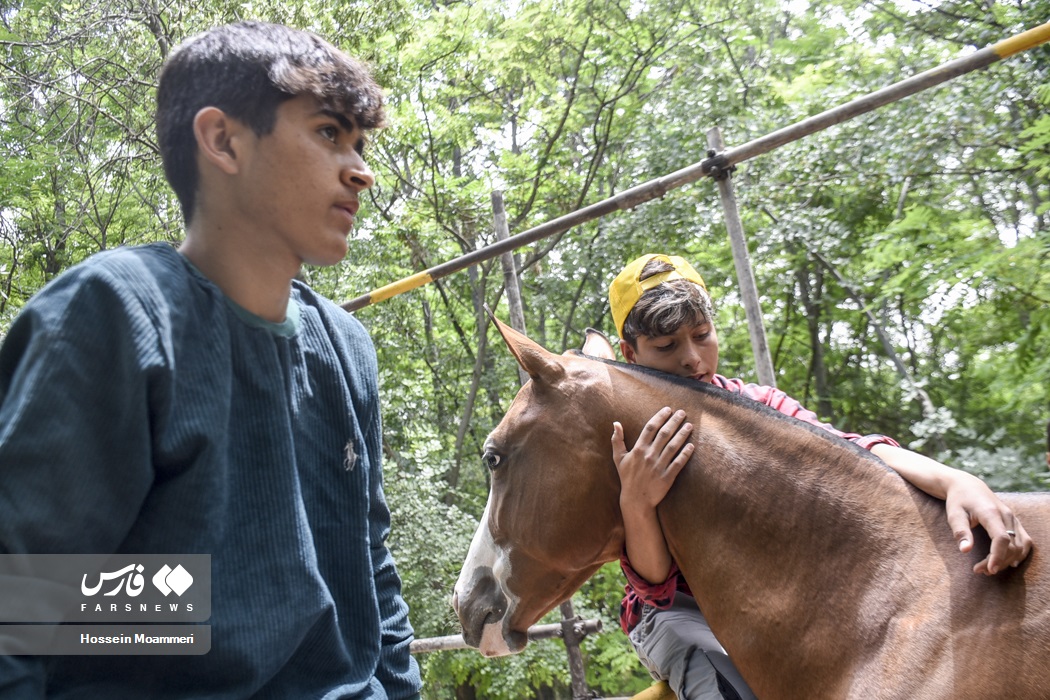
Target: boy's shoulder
x=333, y=316
x=328, y=323
x=126, y=265
x=132, y=275
x=110, y=300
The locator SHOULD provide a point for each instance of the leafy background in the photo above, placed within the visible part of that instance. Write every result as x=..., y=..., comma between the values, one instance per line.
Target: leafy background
x=902, y=257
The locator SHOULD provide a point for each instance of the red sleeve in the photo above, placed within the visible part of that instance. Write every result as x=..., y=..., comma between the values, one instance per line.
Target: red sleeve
x=781, y=402
x=640, y=592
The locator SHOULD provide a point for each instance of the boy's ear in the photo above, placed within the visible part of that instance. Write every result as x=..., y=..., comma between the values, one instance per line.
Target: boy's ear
x=628, y=352
x=218, y=137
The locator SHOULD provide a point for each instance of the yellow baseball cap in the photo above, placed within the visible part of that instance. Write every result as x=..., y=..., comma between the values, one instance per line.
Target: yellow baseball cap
x=627, y=288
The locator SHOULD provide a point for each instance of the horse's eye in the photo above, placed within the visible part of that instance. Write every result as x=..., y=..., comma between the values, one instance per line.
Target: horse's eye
x=492, y=460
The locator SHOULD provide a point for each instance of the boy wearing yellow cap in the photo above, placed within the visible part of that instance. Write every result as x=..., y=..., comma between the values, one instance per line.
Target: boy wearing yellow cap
x=665, y=319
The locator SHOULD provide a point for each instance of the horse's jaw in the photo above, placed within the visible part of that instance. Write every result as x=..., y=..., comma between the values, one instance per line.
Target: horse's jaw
x=494, y=618
x=484, y=614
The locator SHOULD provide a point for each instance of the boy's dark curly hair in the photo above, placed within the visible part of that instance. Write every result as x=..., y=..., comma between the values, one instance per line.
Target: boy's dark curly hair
x=247, y=69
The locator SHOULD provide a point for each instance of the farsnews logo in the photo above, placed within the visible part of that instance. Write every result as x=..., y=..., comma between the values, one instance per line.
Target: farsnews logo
x=138, y=587
x=130, y=577
x=167, y=581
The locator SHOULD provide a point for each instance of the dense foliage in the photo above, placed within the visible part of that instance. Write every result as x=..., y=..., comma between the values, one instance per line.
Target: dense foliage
x=903, y=258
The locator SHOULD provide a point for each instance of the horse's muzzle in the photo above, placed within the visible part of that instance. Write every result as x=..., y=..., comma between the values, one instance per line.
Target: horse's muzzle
x=482, y=609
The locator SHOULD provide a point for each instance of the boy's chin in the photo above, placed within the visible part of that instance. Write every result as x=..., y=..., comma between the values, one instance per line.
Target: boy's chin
x=326, y=258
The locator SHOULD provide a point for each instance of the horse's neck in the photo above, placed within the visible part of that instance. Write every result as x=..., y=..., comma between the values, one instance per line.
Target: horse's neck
x=769, y=520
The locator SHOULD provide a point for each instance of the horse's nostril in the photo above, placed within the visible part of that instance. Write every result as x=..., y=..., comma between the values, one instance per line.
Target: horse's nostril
x=481, y=605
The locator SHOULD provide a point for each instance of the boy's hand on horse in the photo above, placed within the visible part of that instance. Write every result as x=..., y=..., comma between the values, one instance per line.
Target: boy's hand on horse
x=968, y=502
x=648, y=469
x=647, y=472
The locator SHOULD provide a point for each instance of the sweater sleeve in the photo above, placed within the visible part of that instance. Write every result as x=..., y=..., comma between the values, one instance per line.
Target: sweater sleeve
x=397, y=670
x=781, y=402
x=75, y=460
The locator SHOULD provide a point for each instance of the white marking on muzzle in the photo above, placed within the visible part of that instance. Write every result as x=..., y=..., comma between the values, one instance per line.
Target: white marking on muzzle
x=484, y=553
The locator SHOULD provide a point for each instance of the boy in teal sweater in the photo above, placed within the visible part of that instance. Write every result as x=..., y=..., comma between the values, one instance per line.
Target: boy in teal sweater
x=202, y=400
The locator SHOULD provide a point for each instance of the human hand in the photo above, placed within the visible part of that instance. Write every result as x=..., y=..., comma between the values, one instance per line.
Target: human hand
x=969, y=502
x=648, y=469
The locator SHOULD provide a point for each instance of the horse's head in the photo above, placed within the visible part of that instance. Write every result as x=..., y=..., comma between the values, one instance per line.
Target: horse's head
x=553, y=515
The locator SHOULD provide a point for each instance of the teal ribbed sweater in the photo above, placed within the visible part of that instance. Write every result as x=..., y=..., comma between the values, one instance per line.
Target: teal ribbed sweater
x=142, y=411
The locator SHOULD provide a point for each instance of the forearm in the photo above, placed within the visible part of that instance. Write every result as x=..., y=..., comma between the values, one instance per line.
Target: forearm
x=925, y=474
x=397, y=670
x=644, y=541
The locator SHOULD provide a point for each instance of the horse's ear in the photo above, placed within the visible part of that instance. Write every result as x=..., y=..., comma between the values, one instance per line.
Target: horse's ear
x=537, y=361
x=596, y=344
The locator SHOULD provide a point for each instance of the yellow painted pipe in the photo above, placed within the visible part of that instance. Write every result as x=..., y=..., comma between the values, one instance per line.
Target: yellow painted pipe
x=659, y=691
x=1023, y=41
x=395, y=288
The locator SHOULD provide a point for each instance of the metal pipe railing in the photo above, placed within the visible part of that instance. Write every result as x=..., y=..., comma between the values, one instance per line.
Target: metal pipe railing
x=715, y=164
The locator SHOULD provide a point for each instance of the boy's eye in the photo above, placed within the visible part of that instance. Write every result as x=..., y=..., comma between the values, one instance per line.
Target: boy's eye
x=329, y=132
x=664, y=348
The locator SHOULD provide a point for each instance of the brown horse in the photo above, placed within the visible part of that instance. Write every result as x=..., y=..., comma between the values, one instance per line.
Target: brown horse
x=822, y=572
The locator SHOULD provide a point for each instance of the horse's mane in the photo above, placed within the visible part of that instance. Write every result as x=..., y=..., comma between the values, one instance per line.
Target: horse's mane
x=742, y=402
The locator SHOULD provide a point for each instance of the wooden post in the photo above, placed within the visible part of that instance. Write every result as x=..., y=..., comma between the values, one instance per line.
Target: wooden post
x=744, y=275
x=572, y=638
x=570, y=635
x=510, y=273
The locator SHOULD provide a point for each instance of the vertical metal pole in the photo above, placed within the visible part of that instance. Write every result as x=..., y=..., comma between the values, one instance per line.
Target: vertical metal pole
x=570, y=636
x=744, y=275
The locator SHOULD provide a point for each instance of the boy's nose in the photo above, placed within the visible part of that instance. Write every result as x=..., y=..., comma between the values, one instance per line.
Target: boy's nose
x=357, y=174
x=691, y=360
